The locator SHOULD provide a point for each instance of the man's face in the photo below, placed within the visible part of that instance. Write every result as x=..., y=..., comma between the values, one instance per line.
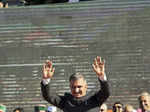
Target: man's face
x=145, y=102
x=78, y=88
x=118, y=108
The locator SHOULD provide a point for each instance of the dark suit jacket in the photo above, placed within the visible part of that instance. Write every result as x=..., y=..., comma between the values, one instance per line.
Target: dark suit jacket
x=89, y=103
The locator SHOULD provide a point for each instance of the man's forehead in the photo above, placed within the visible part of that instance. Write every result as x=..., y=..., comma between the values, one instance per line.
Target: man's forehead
x=146, y=97
x=81, y=82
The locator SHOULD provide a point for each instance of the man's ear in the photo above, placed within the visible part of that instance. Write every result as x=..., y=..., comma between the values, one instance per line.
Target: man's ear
x=86, y=86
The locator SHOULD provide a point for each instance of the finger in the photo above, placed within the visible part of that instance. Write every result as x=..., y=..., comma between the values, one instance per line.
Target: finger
x=95, y=63
x=44, y=67
x=94, y=67
x=103, y=62
x=98, y=58
x=103, y=66
x=53, y=70
x=50, y=67
x=48, y=63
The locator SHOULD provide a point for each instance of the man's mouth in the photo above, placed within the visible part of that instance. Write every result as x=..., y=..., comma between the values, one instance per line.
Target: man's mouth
x=77, y=93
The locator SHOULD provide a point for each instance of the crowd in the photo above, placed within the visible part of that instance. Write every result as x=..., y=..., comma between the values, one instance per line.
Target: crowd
x=5, y=3
x=37, y=108
x=144, y=106
x=78, y=100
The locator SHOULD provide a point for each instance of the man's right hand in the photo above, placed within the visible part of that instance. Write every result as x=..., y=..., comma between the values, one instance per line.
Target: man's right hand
x=48, y=70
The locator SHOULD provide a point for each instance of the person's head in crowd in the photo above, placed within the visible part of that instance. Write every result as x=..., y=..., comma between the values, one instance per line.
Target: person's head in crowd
x=40, y=108
x=78, y=85
x=51, y=109
x=3, y=4
x=129, y=108
x=144, y=101
x=103, y=108
x=2, y=108
x=18, y=109
x=118, y=107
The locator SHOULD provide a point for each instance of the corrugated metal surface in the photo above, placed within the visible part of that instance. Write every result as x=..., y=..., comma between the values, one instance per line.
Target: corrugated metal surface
x=72, y=35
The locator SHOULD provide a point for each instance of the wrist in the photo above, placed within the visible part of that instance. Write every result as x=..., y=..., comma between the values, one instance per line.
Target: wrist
x=46, y=81
x=103, y=77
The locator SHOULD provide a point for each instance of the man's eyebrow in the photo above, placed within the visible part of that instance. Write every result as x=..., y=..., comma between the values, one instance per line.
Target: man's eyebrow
x=79, y=86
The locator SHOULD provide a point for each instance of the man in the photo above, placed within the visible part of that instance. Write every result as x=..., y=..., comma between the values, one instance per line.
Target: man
x=103, y=108
x=2, y=108
x=118, y=107
x=144, y=102
x=78, y=100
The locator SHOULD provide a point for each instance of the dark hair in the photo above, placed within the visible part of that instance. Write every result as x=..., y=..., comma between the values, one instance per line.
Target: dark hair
x=114, y=108
x=118, y=102
x=19, y=109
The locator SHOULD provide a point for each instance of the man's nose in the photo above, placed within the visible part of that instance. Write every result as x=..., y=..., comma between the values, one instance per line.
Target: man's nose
x=77, y=90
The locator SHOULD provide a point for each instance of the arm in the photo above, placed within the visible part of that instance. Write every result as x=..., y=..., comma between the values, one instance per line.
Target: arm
x=99, y=68
x=48, y=72
x=52, y=98
x=103, y=94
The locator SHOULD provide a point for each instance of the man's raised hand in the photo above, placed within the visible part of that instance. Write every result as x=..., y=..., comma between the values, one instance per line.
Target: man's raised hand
x=99, y=66
x=48, y=70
